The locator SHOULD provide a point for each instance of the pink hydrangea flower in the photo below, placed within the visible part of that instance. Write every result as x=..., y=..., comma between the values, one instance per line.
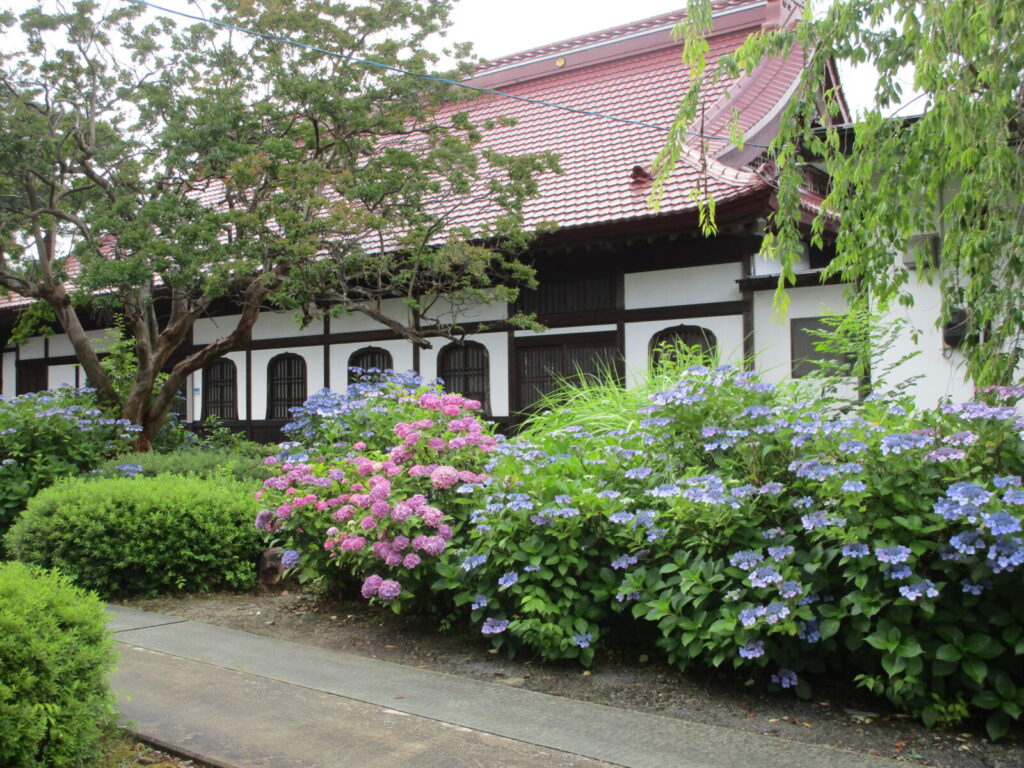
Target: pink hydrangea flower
x=359, y=446
x=432, y=516
x=368, y=523
x=410, y=561
x=444, y=477
x=437, y=443
x=389, y=589
x=430, y=401
x=353, y=544
x=371, y=586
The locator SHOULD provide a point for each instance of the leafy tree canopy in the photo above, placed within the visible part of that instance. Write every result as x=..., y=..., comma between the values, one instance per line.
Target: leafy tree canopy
x=957, y=170
x=166, y=168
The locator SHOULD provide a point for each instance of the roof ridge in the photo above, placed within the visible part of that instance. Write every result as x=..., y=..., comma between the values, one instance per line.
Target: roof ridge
x=603, y=35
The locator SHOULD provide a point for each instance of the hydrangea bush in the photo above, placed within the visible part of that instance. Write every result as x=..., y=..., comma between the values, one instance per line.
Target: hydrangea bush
x=355, y=513
x=746, y=527
x=47, y=435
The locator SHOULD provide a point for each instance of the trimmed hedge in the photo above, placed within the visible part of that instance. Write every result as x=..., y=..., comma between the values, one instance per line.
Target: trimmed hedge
x=55, y=658
x=142, y=536
x=240, y=463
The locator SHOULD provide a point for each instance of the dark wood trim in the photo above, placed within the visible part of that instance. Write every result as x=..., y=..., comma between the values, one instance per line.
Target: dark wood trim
x=546, y=339
x=749, y=347
x=46, y=348
x=327, y=351
x=248, y=386
x=803, y=280
x=511, y=372
x=416, y=363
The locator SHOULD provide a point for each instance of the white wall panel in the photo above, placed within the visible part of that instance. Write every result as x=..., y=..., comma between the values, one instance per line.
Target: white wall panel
x=60, y=376
x=401, y=355
x=9, y=375
x=728, y=330
x=686, y=285
x=277, y=325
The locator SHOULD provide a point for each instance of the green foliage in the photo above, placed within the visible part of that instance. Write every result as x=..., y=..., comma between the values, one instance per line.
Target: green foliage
x=142, y=536
x=55, y=658
x=600, y=404
x=48, y=435
x=957, y=170
x=333, y=213
x=768, y=534
x=225, y=463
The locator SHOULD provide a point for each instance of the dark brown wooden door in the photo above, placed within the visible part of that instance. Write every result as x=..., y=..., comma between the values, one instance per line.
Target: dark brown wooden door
x=545, y=363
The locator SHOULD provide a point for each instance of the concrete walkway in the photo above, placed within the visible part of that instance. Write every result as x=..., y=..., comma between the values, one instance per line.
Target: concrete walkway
x=232, y=699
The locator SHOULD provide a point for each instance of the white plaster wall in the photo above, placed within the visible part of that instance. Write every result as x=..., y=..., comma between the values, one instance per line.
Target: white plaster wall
x=206, y=330
x=9, y=375
x=401, y=355
x=357, y=321
x=772, y=342
x=524, y=334
x=33, y=348
x=60, y=375
x=442, y=308
x=314, y=357
x=943, y=369
x=728, y=329
x=276, y=325
x=497, y=356
x=60, y=345
x=685, y=285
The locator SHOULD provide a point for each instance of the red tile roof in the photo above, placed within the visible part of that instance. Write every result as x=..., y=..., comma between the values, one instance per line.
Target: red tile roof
x=632, y=71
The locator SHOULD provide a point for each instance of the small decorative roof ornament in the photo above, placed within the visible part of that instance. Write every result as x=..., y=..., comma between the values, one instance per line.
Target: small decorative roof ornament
x=640, y=175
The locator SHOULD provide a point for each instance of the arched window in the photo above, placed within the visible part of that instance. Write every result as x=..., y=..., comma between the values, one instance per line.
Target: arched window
x=367, y=360
x=682, y=335
x=286, y=385
x=220, y=389
x=464, y=368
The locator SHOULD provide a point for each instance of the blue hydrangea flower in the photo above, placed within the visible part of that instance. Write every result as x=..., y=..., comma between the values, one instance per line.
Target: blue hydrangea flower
x=898, y=572
x=752, y=650
x=623, y=561
x=639, y=473
x=494, y=626
x=508, y=579
x=809, y=631
x=772, y=533
x=763, y=577
x=789, y=589
x=786, y=678
x=776, y=612
x=894, y=555
x=1001, y=523
x=473, y=561
x=1003, y=481
x=583, y=639
x=854, y=486
x=289, y=559
x=780, y=553
x=919, y=589
x=856, y=550
x=746, y=560
x=480, y=601
x=621, y=517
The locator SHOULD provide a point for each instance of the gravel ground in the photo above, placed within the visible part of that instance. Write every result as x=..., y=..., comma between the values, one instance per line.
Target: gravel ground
x=840, y=716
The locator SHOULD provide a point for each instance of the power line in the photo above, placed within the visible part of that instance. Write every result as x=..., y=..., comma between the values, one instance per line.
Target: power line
x=421, y=76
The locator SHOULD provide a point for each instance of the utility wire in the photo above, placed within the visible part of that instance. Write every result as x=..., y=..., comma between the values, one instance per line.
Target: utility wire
x=433, y=78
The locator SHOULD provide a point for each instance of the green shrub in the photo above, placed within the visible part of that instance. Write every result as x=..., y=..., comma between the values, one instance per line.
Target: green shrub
x=123, y=536
x=55, y=656
x=48, y=435
x=238, y=464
